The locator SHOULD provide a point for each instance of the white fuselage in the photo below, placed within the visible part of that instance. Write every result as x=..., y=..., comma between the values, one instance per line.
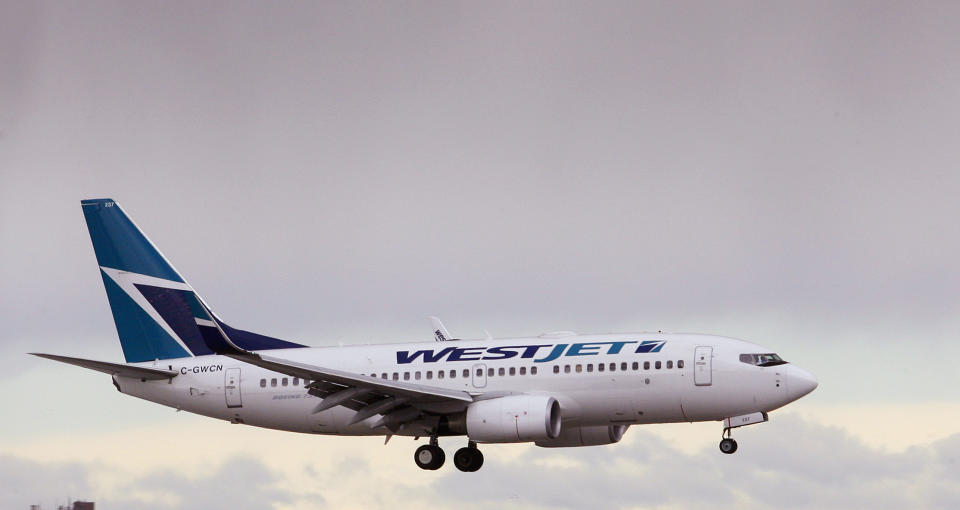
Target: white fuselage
x=601, y=381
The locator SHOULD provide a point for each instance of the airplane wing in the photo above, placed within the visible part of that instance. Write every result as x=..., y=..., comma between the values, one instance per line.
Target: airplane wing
x=150, y=374
x=399, y=403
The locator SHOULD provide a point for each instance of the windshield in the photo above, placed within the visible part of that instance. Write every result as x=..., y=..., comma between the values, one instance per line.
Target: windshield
x=762, y=360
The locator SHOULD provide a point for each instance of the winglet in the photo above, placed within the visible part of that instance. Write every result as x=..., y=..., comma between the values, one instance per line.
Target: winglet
x=440, y=332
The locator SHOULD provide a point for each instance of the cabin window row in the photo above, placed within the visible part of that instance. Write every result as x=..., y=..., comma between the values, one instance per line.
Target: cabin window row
x=452, y=374
x=283, y=381
x=512, y=371
x=612, y=367
x=491, y=372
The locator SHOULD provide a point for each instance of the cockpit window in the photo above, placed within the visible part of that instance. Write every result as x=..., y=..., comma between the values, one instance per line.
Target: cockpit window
x=762, y=360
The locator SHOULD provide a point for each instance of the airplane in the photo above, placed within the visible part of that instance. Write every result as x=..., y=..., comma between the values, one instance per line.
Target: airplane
x=558, y=389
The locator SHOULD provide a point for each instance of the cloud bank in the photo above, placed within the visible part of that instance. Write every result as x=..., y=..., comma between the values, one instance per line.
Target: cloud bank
x=790, y=463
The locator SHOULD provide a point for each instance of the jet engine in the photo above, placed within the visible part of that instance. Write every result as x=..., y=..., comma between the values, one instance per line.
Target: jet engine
x=514, y=419
x=586, y=436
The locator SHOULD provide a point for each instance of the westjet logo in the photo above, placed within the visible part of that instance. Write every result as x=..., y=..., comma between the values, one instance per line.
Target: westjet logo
x=539, y=353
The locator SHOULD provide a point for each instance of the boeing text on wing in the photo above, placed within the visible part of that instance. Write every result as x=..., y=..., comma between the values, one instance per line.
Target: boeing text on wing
x=556, y=390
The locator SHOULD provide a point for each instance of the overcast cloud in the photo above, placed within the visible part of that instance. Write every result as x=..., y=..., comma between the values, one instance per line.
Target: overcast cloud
x=334, y=172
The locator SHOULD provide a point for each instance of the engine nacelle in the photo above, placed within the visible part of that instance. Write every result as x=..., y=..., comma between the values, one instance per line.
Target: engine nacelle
x=514, y=419
x=586, y=436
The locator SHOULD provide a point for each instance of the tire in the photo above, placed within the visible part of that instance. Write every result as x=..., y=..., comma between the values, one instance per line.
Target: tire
x=728, y=446
x=429, y=457
x=468, y=459
x=440, y=458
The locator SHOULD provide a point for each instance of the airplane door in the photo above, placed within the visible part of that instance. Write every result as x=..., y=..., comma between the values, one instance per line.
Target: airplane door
x=231, y=387
x=479, y=372
x=703, y=365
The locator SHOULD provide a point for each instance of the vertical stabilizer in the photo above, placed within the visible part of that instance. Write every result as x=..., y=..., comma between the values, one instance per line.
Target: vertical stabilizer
x=157, y=313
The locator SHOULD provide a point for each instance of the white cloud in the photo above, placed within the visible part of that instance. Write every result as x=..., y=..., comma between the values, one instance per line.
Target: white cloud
x=789, y=463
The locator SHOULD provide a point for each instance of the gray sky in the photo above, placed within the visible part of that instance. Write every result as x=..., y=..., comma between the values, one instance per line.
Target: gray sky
x=781, y=172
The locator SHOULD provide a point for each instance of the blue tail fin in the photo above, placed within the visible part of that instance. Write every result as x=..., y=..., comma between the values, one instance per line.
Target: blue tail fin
x=157, y=313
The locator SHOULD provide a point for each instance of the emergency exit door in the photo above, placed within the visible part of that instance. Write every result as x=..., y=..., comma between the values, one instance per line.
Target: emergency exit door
x=479, y=372
x=703, y=365
x=231, y=387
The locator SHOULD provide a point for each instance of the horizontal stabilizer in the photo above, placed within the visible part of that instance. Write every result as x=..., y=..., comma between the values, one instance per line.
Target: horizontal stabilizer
x=120, y=369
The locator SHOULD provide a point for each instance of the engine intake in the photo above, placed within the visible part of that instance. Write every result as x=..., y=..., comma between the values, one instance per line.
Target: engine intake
x=514, y=419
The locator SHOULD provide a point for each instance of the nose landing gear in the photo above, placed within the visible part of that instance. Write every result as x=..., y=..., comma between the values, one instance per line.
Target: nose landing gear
x=728, y=445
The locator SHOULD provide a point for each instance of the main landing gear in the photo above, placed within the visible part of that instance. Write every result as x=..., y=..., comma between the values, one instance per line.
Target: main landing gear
x=468, y=459
x=431, y=457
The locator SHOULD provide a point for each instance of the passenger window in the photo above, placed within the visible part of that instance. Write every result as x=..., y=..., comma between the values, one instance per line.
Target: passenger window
x=613, y=367
x=500, y=371
x=296, y=381
x=579, y=368
x=383, y=375
x=395, y=376
x=429, y=374
x=556, y=369
x=513, y=371
x=284, y=381
x=636, y=365
x=623, y=366
x=406, y=376
x=479, y=372
x=489, y=372
x=646, y=365
x=589, y=367
x=533, y=370
x=416, y=375
x=656, y=365
x=263, y=383
x=439, y=374
x=523, y=370
x=466, y=373
x=601, y=367
x=680, y=363
x=566, y=369
x=273, y=382
x=453, y=374
x=670, y=363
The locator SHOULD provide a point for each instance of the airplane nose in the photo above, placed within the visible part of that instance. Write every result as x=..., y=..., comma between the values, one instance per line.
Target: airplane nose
x=800, y=382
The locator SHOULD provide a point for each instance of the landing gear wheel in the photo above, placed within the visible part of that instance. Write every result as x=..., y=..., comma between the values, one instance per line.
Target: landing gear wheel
x=468, y=459
x=728, y=445
x=429, y=457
